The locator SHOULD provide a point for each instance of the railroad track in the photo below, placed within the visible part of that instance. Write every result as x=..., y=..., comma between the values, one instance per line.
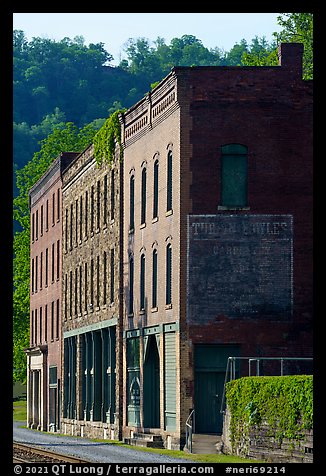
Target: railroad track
x=23, y=453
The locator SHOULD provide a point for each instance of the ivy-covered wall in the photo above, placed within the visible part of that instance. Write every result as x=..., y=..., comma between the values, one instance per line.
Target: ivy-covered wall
x=106, y=138
x=270, y=418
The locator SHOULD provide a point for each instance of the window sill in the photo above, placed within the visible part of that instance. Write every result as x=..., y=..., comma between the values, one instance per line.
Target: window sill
x=168, y=306
x=143, y=225
x=142, y=312
x=154, y=309
x=131, y=315
x=168, y=213
x=155, y=220
x=223, y=207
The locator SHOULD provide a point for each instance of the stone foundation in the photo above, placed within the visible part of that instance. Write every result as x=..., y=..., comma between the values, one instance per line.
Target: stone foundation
x=260, y=444
x=87, y=429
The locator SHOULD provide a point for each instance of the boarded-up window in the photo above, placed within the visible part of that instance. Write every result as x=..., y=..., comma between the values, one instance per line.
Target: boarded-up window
x=234, y=172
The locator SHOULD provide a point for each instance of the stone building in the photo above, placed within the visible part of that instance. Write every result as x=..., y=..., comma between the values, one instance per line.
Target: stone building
x=44, y=383
x=217, y=237
x=91, y=301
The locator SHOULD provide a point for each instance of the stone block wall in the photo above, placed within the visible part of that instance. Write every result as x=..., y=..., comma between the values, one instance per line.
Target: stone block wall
x=262, y=445
x=91, y=247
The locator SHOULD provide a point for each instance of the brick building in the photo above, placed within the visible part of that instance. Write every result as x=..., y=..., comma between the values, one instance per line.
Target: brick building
x=44, y=384
x=217, y=236
x=91, y=207
x=194, y=248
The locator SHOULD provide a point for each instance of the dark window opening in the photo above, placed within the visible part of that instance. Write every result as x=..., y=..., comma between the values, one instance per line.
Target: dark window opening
x=143, y=197
x=142, y=282
x=168, y=300
x=234, y=176
x=155, y=190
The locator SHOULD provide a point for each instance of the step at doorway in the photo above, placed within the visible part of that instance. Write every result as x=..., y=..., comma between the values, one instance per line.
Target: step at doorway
x=206, y=443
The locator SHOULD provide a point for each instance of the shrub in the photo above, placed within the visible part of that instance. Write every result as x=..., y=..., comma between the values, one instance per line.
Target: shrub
x=285, y=404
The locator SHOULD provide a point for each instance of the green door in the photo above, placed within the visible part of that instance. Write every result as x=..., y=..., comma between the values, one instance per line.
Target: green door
x=210, y=366
x=208, y=391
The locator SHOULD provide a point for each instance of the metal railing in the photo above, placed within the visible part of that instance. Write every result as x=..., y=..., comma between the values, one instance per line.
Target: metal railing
x=232, y=371
x=190, y=429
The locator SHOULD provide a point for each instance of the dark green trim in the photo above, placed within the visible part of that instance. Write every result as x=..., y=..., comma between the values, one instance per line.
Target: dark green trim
x=91, y=327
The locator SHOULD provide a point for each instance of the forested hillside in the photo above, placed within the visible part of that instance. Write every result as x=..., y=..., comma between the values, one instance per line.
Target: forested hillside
x=67, y=81
x=63, y=93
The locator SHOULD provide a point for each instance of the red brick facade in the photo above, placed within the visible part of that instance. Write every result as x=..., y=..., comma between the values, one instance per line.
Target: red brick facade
x=195, y=112
x=44, y=354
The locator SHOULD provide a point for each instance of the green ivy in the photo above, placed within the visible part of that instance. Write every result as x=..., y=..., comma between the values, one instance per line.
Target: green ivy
x=284, y=403
x=106, y=138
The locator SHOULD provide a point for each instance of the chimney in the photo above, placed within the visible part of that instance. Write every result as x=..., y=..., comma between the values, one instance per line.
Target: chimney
x=290, y=57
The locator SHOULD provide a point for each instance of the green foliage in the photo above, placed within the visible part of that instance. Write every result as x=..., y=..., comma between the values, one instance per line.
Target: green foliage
x=106, y=138
x=298, y=27
x=260, y=53
x=284, y=403
x=20, y=410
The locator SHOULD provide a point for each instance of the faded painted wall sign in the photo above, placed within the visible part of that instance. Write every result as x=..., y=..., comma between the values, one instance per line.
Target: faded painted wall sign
x=239, y=265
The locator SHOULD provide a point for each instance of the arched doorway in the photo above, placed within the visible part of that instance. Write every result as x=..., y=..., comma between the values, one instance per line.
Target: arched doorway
x=151, y=402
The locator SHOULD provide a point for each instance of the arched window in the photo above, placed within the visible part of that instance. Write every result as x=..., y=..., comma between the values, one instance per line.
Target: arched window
x=234, y=175
x=131, y=286
x=112, y=276
x=155, y=190
x=112, y=194
x=142, y=282
x=154, y=280
x=132, y=203
x=143, y=196
x=168, y=293
x=169, y=182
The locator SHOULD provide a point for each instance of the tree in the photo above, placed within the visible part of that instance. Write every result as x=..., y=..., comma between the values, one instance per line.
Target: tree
x=298, y=27
x=234, y=56
x=260, y=53
x=67, y=138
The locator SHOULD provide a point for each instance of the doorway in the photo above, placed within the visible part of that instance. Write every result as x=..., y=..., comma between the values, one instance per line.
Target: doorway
x=151, y=403
x=210, y=366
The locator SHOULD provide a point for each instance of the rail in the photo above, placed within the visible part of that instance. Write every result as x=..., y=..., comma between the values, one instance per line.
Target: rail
x=232, y=372
x=27, y=453
x=190, y=428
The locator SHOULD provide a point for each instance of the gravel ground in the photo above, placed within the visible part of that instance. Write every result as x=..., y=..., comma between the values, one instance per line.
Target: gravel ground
x=85, y=448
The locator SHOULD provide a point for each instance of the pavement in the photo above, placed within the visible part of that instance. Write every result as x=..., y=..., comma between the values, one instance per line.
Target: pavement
x=88, y=449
